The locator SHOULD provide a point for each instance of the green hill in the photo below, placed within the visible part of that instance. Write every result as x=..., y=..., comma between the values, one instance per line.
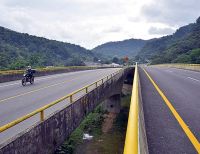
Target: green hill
x=120, y=48
x=181, y=47
x=18, y=50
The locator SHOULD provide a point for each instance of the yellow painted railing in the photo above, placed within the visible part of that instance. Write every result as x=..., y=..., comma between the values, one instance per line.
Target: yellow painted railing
x=131, y=142
x=69, y=96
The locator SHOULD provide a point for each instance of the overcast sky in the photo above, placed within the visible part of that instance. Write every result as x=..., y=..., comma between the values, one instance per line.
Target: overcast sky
x=93, y=22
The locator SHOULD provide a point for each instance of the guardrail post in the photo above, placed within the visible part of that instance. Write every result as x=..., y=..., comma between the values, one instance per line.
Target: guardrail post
x=96, y=84
x=86, y=89
x=42, y=115
x=71, y=100
x=102, y=81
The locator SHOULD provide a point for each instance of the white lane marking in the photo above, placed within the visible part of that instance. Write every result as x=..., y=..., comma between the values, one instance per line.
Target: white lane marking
x=36, y=80
x=169, y=71
x=49, y=77
x=41, y=78
x=9, y=84
x=186, y=70
x=193, y=79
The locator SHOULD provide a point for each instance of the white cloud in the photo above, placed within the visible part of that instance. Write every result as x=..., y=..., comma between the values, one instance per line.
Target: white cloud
x=160, y=31
x=172, y=12
x=92, y=22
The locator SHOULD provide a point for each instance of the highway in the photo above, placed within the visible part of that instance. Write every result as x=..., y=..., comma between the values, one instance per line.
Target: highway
x=182, y=89
x=17, y=101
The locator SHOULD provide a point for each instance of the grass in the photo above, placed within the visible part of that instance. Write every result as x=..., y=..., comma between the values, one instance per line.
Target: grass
x=89, y=125
x=111, y=142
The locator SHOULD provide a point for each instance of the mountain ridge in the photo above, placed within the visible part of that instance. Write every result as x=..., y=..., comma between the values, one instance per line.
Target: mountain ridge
x=18, y=50
x=128, y=47
x=181, y=47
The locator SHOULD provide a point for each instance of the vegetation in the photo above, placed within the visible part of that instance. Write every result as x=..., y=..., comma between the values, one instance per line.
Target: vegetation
x=91, y=124
x=111, y=142
x=181, y=47
x=18, y=50
x=119, y=49
x=47, y=69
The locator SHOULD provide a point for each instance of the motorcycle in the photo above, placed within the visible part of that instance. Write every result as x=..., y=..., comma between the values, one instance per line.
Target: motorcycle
x=28, y=78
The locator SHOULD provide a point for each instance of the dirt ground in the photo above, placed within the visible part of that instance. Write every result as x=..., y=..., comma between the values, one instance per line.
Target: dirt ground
x=108, y=122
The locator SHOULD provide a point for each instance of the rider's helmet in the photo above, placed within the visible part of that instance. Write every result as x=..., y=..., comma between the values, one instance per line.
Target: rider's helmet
x=29, y=67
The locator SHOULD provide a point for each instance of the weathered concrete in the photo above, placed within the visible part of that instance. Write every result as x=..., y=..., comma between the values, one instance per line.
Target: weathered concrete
x=113, y=104
x=142, y=129
x=46, y=136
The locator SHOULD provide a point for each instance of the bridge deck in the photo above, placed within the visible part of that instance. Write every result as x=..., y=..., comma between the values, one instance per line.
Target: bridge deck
x=182, y=88
x=17, y=101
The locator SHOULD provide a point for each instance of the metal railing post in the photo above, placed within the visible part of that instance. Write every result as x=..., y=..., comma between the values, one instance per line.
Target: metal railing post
x=71, y=99
x=42, y=115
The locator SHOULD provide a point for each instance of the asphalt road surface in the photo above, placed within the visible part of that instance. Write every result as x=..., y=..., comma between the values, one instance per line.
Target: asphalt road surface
x=182, y=88
x=17, y=101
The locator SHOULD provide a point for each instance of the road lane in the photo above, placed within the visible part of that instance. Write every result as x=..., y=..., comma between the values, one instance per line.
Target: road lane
x=164, y=134
x=17, y=101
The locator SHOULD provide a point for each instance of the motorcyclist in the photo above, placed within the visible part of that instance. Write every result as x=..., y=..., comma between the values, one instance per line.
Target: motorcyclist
x=29, y=72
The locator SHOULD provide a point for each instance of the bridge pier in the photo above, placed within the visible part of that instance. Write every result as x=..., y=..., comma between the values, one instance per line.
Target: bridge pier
x=113, y=104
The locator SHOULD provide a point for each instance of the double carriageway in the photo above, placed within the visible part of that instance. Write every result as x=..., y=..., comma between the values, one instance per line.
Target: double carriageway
x=177, y=97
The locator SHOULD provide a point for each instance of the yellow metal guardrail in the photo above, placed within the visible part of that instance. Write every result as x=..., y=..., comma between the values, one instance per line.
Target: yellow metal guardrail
x=71, y=99
x=131, y=142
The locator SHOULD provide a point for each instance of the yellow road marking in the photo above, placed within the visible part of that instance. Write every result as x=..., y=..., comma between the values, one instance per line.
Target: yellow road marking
x=185, y=128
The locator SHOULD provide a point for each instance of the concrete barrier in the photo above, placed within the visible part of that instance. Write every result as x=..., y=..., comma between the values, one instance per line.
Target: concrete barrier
x=136, y=140
x=142, y=129
x=44, y=137
x=193, y=67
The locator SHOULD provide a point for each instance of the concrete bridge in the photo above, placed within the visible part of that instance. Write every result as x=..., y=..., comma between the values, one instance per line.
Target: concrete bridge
x=54, y=127
x=163, y=118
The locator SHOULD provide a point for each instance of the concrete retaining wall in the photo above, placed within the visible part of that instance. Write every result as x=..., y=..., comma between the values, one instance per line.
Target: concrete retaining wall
x=46, y=136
